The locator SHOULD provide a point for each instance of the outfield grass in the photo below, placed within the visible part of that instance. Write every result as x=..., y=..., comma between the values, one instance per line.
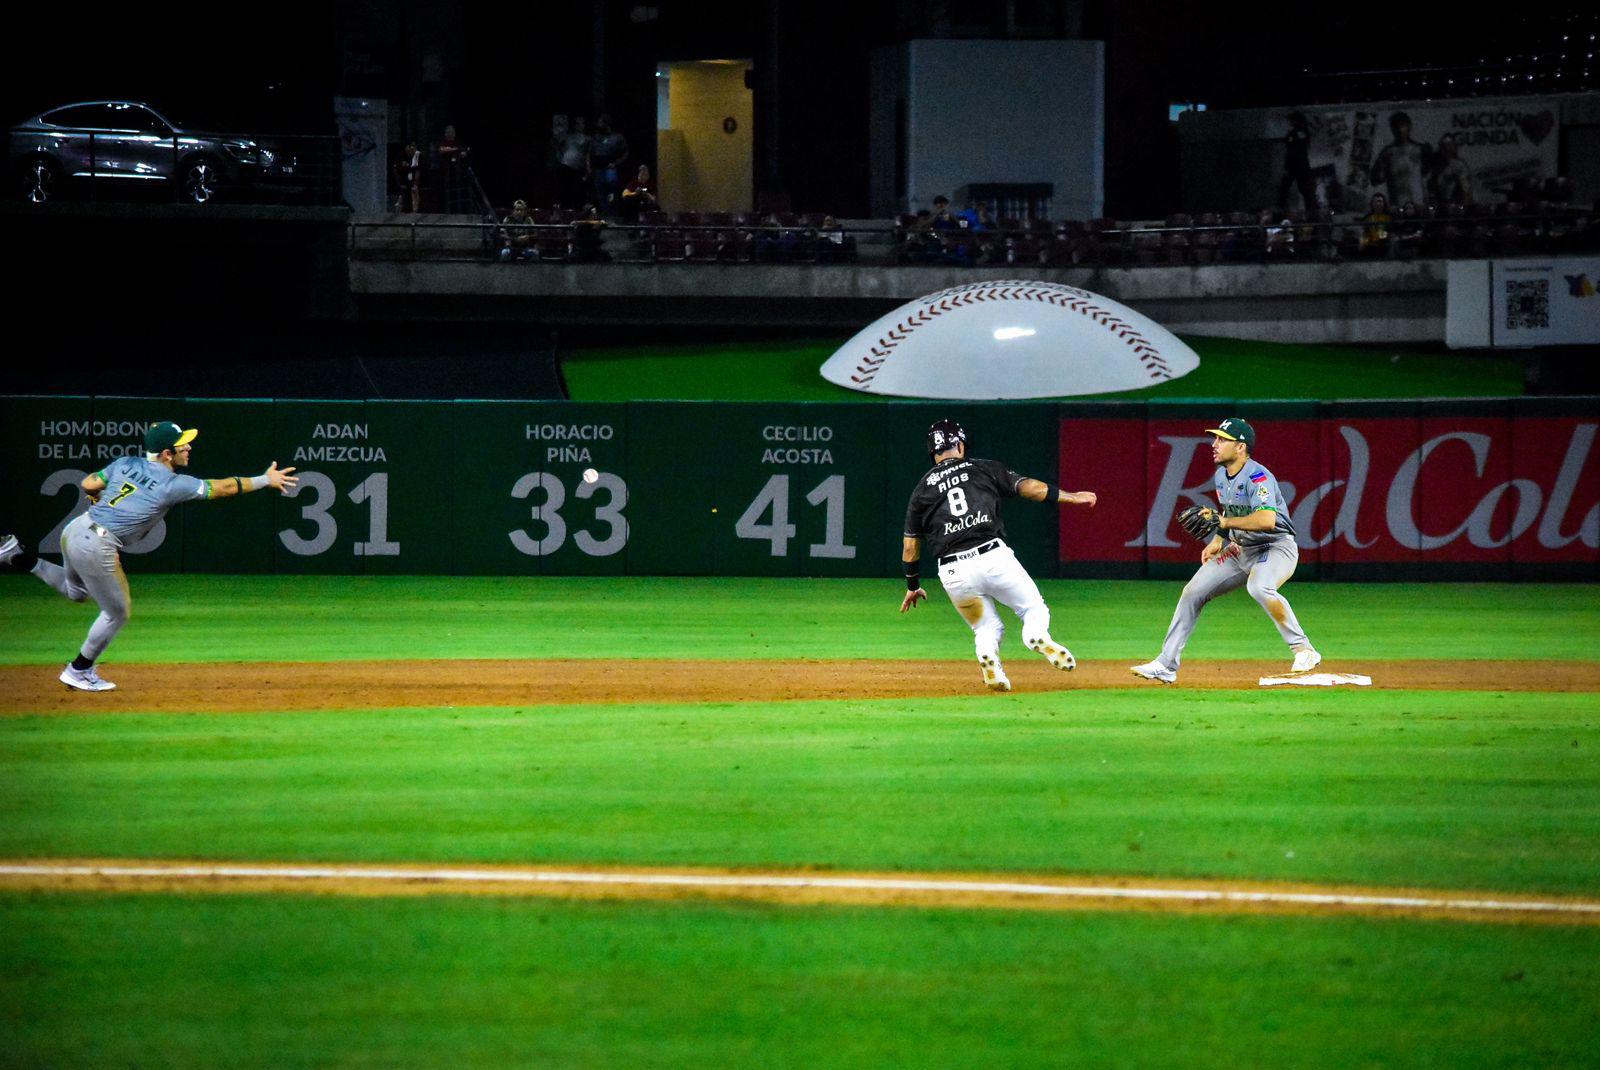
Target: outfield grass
x=1453, y=790
x=1496, y=791
x=332, y=618
x=289, y=981
x=1229, y=368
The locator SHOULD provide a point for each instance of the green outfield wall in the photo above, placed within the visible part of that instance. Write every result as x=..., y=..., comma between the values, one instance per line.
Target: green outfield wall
x=1491, y=489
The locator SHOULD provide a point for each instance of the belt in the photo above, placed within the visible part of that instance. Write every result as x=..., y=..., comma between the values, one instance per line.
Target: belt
x=974, y=552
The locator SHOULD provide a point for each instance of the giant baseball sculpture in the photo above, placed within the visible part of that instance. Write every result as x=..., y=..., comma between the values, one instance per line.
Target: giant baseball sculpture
x=1009, y=339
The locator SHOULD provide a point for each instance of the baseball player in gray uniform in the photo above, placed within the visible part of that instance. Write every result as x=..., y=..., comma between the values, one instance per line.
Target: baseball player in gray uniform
x=128, y=497
x=1253, y=548
x=955, y=514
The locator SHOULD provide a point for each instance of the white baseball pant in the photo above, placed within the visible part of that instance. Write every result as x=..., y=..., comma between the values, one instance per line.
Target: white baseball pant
x=976, y=581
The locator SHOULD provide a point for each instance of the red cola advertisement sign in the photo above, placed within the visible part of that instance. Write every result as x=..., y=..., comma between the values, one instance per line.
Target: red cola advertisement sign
x=1485, y=487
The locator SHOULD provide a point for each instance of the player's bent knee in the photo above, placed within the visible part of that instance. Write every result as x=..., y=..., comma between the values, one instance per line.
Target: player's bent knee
x=1262, y=592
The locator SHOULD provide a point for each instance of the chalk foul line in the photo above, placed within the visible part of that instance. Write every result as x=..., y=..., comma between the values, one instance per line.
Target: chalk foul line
x=911, y=890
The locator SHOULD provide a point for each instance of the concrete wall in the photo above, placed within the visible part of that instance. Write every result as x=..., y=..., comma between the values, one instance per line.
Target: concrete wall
x=1328, y=303
x=991, y=111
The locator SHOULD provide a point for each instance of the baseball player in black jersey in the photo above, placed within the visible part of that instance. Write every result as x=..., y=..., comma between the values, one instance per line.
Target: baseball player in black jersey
x=955, y=511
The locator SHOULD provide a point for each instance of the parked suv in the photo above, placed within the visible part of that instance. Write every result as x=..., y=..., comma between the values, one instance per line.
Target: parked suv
x=120, y=143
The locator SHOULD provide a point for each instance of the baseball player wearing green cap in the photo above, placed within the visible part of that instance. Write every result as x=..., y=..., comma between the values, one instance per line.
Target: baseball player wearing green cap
x=127, y=498
x=1249, y=543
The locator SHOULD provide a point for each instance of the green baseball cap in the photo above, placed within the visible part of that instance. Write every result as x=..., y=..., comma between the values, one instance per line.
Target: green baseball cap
x=167, y=435
x=1235, y=430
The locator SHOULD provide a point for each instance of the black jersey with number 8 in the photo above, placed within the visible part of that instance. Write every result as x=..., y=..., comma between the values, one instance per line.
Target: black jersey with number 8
x=956, y=505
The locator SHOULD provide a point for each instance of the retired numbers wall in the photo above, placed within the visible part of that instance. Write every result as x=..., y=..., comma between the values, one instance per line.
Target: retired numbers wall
x=497, y=488
x=1480, y=489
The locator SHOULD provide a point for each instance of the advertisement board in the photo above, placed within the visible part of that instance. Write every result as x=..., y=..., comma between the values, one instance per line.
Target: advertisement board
x=1479, y=489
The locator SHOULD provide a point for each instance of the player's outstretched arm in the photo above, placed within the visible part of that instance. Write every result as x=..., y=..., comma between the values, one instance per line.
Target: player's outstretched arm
x=1036, y=490
x=274, y=477
x=911, y=558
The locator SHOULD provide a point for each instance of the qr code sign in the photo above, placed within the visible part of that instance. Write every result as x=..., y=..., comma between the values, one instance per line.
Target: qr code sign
x=1527, y=304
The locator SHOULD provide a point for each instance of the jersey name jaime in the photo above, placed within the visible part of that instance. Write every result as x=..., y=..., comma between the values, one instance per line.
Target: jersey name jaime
x=956, y=505
x=1253, y=488
x=138, y=494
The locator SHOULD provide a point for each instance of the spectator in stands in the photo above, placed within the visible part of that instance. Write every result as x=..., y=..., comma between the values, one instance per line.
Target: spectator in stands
x=588, y=238
x=1375, y=235
x=452, y=157
x=409, y=170
x=922, y=245
x=833, y=244
x=517, y=235
x=639, y=196
x=609, y=154
x=575, y=165
x=1399, y=167
x=777, y=241
x=989, y=247
x=1297, y=164
x=1452, y=178
x=1407, y=231
x=953, y=247
x=1278, y=231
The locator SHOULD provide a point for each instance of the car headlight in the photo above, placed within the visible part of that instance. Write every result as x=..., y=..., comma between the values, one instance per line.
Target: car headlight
x=241, y=150
x=268, y=158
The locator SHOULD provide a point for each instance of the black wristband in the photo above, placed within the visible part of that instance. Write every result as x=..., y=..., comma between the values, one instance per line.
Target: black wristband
x=1052, y=493
x=238, y=487
x=913, y=580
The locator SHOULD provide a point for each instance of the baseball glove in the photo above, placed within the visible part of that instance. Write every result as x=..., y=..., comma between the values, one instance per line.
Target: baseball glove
x=1200, y=522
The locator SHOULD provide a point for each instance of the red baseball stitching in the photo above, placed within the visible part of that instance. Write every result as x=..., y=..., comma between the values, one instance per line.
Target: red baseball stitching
x=956, y=297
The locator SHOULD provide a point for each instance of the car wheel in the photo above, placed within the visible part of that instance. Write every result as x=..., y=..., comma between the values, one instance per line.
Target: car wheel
x=38, y=181
x=201, y=181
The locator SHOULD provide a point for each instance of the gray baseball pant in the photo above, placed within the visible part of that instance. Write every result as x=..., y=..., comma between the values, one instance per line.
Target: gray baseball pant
x=1262, y=569
x=90, y=568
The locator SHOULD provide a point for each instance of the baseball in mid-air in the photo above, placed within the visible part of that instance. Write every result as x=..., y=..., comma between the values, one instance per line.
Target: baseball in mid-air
x=590, y=475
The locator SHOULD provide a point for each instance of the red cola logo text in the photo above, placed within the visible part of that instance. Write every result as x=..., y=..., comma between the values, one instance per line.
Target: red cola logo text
x=1360, y=511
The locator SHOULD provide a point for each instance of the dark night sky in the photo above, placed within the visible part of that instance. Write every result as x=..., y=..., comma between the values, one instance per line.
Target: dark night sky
x=277, y=73
x=516, y=68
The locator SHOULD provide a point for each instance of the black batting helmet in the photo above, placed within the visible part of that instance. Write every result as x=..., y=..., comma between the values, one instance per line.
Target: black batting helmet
x=945, y=435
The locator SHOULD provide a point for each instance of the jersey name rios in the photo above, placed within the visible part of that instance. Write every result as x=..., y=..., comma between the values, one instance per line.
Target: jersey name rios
x=956, y=505
x=138, y=494
x=1252, y=489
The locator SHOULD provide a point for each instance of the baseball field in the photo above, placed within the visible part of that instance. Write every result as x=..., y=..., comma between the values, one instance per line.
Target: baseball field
x=400, y=821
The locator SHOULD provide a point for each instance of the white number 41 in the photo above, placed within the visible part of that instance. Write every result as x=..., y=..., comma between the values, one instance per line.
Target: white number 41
x=774, y=497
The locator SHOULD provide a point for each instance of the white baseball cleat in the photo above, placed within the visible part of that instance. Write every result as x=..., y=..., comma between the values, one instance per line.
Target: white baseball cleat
x=1154, y=670
x=85, y=680
x=1055, y=654
x=994, y=677
x=1306, y=660
x=9, y=548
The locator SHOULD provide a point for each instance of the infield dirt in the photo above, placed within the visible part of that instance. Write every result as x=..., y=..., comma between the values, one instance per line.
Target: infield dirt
x=222, y=687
